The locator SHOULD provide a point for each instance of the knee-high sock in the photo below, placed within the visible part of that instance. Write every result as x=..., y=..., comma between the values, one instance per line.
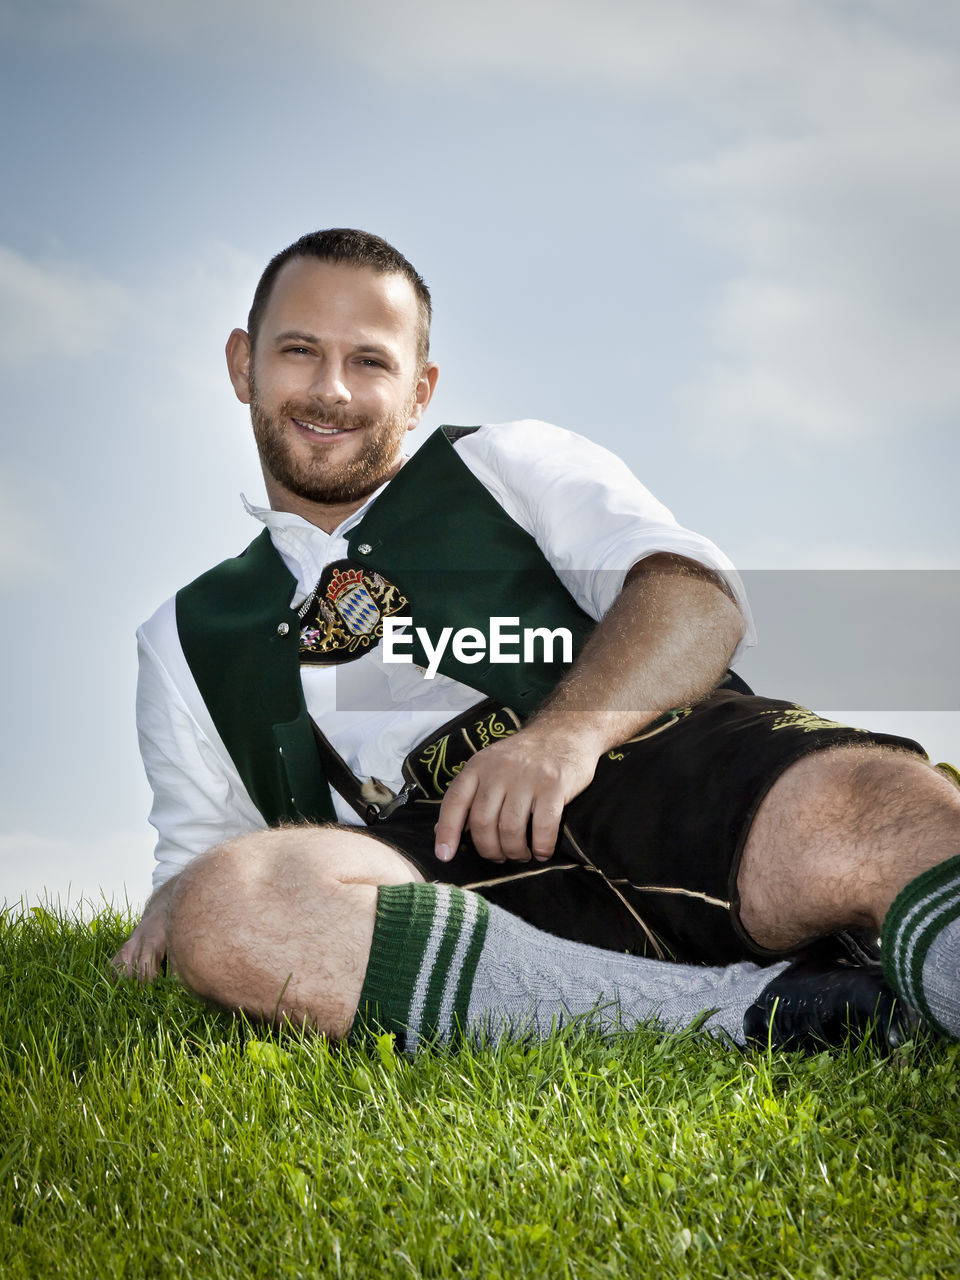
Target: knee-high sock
x=445, y=962
x=920, y=947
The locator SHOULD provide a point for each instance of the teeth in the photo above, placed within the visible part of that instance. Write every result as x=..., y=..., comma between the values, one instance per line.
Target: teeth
x=321, y=431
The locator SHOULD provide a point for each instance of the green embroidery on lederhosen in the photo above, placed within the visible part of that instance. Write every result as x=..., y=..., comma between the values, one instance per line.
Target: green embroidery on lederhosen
x=491, y=728
x=800, y=718
x=439, y=772
x=434, y=765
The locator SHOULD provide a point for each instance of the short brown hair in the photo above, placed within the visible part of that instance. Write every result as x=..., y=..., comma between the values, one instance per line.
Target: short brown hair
x=358, y=249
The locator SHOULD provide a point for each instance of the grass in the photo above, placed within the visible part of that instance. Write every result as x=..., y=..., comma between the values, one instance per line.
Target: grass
x=144, y=1136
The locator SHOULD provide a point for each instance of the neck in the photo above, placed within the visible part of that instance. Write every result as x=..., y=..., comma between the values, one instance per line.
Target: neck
x=327, y=516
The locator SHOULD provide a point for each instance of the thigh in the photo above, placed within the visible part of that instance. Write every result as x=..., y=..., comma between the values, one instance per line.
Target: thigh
x=838, y=836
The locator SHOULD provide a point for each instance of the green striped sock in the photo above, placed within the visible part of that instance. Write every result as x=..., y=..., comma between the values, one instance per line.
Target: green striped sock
x=427, y=943
x=445, y=963
x=921, y=945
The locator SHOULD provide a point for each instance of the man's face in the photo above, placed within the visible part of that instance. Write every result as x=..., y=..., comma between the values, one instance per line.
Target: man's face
x=333, y=384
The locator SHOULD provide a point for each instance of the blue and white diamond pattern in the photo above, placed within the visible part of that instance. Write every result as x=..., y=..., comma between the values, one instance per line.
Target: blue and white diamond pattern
x=358, y=610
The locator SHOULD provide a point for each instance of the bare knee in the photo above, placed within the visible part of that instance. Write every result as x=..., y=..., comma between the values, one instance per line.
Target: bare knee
x=278, y=924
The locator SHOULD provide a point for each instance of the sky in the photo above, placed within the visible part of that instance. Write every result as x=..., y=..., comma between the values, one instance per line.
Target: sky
x=720, y=240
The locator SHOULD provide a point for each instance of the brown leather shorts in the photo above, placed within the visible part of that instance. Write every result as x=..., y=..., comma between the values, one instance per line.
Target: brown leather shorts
x=650, y=853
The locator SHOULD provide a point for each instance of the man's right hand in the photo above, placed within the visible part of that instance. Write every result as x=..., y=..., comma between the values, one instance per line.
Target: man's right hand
x=141, y=956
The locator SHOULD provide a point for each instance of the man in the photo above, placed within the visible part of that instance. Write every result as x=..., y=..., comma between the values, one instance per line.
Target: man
x=645, y=802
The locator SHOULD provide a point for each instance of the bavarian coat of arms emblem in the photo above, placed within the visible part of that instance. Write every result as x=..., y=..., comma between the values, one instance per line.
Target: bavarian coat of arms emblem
x=343, y=618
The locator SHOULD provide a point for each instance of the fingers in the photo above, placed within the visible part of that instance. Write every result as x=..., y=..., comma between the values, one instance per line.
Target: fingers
x=508, y=790
x=453, y=814
x=141, y=961
x=149, y=964
x=545, y=832
x=498, y=831
x=508, y=830
x=498, y=824
x=499, y=818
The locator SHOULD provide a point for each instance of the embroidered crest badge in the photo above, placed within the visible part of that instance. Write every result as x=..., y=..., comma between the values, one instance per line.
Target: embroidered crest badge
x=350, y=596
x=343, y=619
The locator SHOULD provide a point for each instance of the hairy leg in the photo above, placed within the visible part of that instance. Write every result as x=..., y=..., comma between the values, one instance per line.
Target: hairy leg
x=307, y=924
x=279, y=923
x=837, y=837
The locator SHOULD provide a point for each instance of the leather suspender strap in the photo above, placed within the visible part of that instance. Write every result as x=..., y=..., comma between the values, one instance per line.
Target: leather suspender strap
x=340, y=777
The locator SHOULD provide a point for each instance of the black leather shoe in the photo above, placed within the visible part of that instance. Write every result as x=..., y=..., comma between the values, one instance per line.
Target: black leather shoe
x=812, y=1006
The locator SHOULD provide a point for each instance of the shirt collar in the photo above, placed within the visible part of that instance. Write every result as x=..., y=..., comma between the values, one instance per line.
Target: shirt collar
x=305, y=549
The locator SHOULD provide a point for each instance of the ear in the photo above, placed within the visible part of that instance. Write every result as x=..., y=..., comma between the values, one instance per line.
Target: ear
x=238, y=364
x=426, y=385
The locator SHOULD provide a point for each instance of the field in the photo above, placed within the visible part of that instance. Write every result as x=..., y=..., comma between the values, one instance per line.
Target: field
x=144, y=1136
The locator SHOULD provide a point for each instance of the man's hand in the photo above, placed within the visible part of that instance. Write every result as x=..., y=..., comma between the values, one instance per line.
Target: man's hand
x=665, y=642
x=143, y=952
x=526, y=778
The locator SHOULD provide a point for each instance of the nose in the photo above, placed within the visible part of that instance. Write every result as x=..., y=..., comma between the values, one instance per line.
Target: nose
x=329, y=384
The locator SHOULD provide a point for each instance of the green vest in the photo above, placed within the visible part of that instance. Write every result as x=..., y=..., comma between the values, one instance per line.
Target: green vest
x=446, y=543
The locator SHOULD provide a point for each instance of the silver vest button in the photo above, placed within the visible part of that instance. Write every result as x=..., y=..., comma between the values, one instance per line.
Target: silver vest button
x=364, y=548
x=283, y=629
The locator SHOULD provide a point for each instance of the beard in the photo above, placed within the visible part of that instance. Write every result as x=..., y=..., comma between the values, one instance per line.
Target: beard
x=317, y=480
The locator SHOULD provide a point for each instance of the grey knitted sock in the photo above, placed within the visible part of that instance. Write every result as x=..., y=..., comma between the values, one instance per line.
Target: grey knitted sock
x=920, y=948
x=445, y=962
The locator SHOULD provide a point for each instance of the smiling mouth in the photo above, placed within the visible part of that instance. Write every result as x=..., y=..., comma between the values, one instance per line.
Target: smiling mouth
x=320, y=430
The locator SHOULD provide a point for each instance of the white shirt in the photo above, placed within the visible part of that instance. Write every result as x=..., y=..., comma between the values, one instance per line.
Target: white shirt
x=589, y=515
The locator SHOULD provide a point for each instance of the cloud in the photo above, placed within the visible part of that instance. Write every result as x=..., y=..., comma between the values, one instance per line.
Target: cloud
x=838, y=318
x=821, y=153
x=63, y=308
x=178, y=311
x=54, y=309
x=809, y=361
x=686, y=48
x=148, y=410
x=26, y=541
x=193, y=304
x=82, y=875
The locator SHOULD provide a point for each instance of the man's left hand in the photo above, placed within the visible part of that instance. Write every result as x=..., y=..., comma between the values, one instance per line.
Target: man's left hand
x=523, y=780
x=142, y=955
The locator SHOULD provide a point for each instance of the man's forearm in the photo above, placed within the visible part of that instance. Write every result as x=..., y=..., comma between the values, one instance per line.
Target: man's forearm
x=666, y=642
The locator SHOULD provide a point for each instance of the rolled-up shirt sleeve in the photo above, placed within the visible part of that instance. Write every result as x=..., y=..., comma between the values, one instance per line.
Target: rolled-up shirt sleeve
x=589, y=514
